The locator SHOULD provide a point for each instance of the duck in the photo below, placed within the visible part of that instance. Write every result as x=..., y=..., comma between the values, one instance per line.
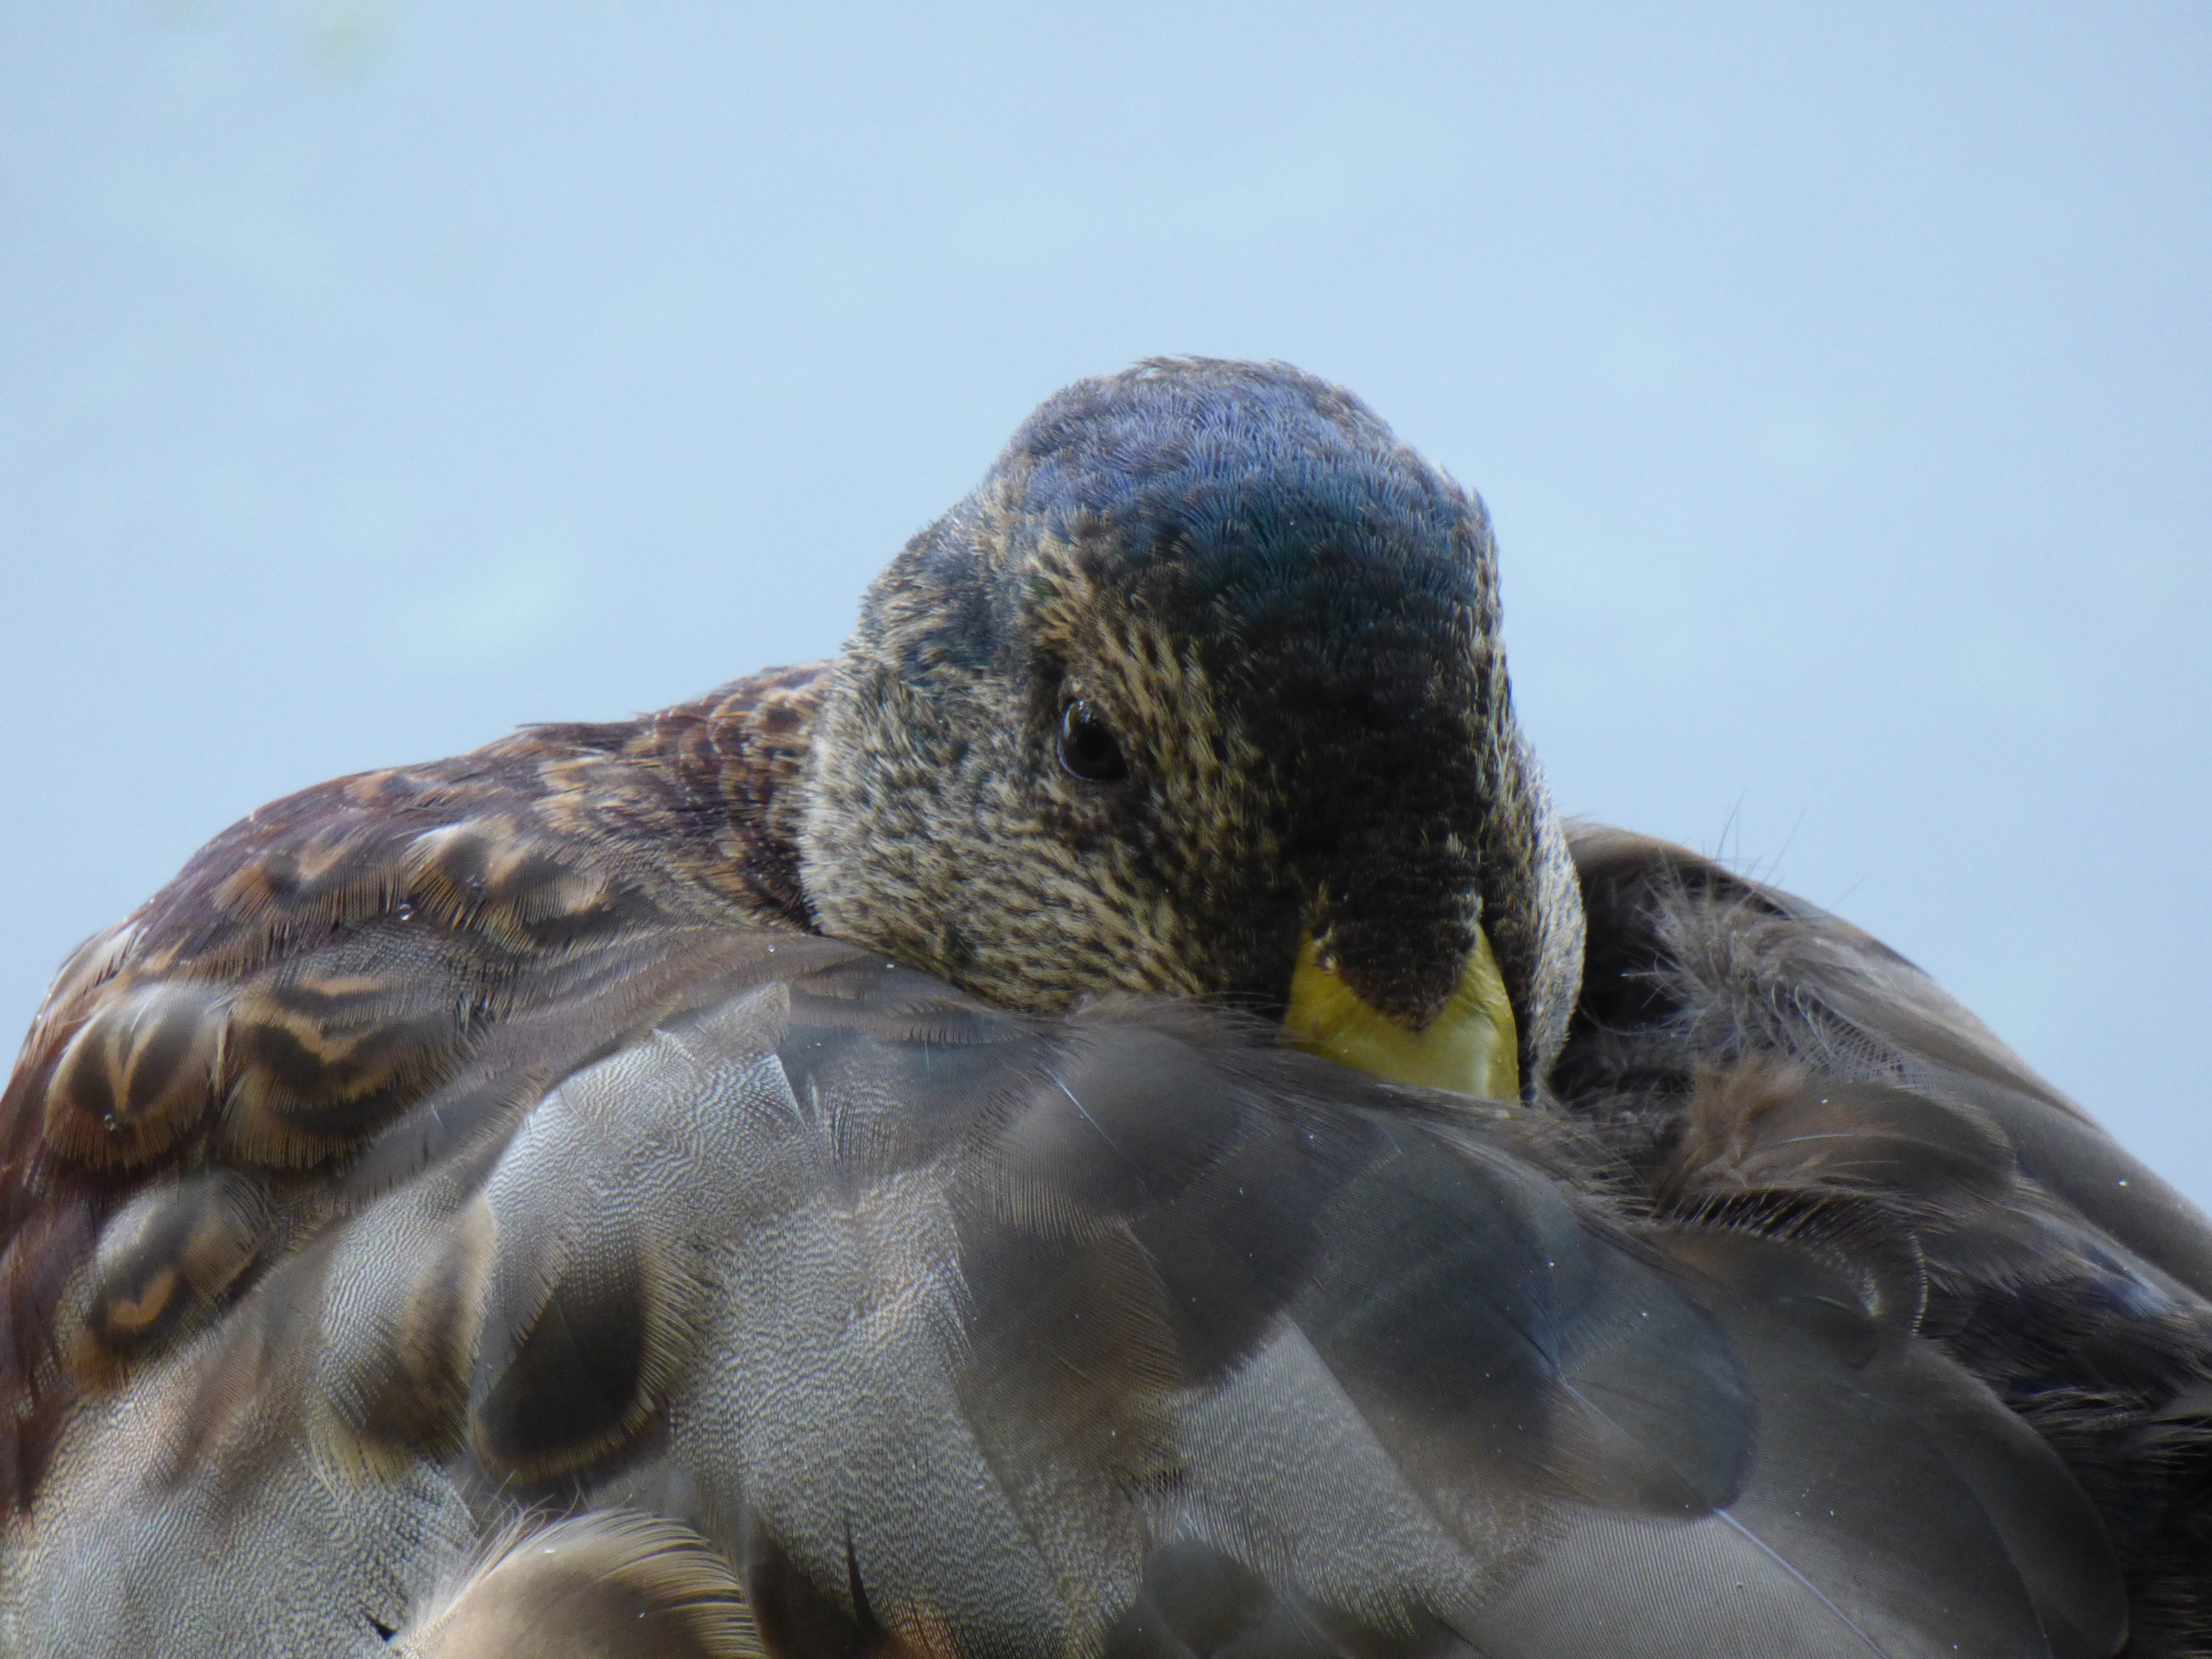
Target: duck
x=1114, y=1117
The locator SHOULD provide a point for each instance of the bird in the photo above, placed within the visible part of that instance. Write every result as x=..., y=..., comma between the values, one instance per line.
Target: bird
x=1113, y=1117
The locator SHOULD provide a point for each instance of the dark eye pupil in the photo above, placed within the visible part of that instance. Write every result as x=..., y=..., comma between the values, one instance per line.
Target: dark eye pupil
x=1087, y=749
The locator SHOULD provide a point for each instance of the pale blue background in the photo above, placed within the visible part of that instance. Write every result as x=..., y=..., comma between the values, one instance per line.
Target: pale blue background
x=375, y=374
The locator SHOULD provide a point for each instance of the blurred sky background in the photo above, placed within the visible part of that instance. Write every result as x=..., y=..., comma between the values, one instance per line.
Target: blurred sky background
x=377, y=374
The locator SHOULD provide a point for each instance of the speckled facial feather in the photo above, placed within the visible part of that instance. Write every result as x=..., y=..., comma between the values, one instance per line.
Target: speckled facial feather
x=1290, y=621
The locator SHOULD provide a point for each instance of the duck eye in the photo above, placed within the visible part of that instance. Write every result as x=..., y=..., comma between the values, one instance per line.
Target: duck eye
x=1087, y=749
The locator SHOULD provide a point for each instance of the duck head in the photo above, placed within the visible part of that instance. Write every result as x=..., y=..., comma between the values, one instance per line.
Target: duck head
x=1201, y=694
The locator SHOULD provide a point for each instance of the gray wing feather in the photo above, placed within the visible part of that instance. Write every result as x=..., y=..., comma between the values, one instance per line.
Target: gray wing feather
x=1751, y=1062
x=949, y=1331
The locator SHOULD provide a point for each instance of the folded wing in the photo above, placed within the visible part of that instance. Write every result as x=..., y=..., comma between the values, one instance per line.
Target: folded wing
x=845, y=1314
x=1753, y=1062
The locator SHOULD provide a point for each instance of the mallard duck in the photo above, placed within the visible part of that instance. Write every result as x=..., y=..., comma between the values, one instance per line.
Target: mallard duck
x=1113, y=1118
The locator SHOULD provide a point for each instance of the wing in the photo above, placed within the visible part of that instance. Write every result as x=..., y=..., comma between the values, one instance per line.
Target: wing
x=838, y=1314
x=320, y=968
x=1748, y=1058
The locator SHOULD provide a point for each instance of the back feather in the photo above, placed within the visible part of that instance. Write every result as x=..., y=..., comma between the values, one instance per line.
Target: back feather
x=1754, y=1062
x=949, y=1330
x=600, y=1586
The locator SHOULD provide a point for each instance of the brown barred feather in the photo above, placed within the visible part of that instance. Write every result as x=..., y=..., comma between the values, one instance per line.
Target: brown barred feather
x=326, y=962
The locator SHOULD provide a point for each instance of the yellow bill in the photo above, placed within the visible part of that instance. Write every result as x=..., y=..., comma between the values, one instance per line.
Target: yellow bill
x=1471, y=1045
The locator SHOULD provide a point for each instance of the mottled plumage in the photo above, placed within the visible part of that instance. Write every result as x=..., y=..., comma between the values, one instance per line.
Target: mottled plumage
x=319, y=967
x=1289, y=621
x=829, y=1141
